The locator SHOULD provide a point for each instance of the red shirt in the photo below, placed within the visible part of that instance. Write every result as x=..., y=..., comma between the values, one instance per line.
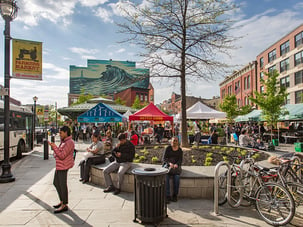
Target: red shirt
x=134, y=139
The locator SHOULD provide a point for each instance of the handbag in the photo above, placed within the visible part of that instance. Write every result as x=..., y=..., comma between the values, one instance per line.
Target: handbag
x=172, y=171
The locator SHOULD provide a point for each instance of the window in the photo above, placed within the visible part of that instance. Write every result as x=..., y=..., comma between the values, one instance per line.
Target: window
x=146, y=99
x=284, y=48
x=261, y=62
x=223, y=94
x=141, y=97
x=272, y=55
x=262, y=75
x=229, y=90
x=299, y=39
x=262, y=89
x=298, y=96
x=298, y=58
x=287, y=101
x=237, y=87
x=248, y=82
x=285, y=82
x=271, y=69
x=299, y=77
x=284, y=65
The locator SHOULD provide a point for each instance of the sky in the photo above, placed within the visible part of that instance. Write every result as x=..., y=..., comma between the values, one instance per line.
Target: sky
x=73, y=31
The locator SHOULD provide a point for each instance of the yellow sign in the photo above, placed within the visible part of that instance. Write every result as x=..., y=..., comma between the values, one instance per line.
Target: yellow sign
x=40, y=110
x=27, y=59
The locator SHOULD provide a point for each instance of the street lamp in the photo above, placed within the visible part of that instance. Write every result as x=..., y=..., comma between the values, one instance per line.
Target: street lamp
x=8, y=10
x=35, y=98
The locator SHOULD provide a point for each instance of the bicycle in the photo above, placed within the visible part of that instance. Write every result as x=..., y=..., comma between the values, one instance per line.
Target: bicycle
x=252, y=183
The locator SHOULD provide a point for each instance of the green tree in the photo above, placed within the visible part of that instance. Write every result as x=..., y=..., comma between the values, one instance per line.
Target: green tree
x=245, y=109
x=230, y=107
x=136, y=104
x=272, y=100
x=120, y=101
x=181, y=40
x=83, y=98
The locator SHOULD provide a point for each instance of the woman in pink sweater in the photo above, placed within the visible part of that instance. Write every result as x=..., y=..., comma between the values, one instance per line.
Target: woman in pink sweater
x=64, y=161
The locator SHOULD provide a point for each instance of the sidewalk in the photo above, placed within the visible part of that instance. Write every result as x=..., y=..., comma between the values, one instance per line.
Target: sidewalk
x=28, y=202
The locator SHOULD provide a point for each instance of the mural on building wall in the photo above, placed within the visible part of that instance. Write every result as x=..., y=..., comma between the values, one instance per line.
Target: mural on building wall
x=106, y=77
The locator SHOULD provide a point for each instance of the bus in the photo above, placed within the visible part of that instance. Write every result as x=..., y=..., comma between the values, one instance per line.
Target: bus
x=20, y=126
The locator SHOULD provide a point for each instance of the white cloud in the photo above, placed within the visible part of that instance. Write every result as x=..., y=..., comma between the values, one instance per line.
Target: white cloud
x=121, y=50
x=33, y=11
x=104, y=14
x=91, y=3
x=83, y=51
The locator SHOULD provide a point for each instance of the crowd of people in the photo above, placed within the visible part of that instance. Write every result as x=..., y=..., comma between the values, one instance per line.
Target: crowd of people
x=121, y=155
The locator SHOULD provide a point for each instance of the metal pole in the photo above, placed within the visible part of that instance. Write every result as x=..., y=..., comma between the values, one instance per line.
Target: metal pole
x=34, y=123
x=6, y=166
x=56, y=117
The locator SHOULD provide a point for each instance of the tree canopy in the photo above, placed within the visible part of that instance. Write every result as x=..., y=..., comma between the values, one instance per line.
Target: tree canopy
x=181, y=39
x=272, y=99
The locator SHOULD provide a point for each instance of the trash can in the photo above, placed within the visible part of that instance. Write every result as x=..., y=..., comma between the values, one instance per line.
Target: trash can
x=298, y=147
x=275, y=142
x=150, y=197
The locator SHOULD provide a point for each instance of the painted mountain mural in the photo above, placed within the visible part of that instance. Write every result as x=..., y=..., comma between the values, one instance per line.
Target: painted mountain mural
x=106, y=77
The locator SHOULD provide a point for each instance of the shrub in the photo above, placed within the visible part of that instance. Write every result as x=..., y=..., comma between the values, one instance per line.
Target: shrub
x=136, y=161
x=136, y=156
x=208, y=159
x=142, y=158
x=155, y=159
x=209, y=154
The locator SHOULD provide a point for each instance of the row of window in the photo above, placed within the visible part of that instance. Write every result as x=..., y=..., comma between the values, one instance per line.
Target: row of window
x=284, y=64
x=142, y=97
x=284, y=48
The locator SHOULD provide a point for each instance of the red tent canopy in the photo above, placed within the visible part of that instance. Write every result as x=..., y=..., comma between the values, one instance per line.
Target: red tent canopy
x=150, y=113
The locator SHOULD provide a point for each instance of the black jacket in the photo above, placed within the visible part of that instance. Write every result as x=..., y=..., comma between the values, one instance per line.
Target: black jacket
x=127, y=151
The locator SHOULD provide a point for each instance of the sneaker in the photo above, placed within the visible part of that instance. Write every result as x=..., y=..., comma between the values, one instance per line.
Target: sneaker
x=117, y=191
x=110, y=188
x=175, y=198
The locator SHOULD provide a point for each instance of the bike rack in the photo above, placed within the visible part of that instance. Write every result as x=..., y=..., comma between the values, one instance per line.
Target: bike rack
x=216, y=185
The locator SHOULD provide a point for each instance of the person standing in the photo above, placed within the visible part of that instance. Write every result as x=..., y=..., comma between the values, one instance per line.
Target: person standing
x=172, y=159
x=64, y=161
x=94, y=155
x=134, y=138
x=124, y=154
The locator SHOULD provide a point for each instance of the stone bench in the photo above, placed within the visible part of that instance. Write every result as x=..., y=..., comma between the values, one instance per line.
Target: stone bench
x=195, y=182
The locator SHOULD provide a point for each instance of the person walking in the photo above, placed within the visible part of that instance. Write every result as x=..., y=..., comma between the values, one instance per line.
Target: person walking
x=64, y=161
x=124, y=154
x=94, y=155
x=172, y=159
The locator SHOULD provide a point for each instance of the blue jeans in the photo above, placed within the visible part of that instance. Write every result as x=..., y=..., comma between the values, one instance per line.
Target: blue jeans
x=176, y=183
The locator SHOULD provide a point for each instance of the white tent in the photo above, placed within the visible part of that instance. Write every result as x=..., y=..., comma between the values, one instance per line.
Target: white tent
x=202, y=111
x=127, y=113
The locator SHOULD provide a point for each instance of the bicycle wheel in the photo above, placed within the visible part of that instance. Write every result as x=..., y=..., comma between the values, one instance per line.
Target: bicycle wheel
x=296, y=190
x=275, y=204
x=222, y=188
x=236, y=190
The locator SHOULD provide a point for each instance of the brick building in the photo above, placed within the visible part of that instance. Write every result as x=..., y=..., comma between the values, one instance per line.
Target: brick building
x=285, y=55
x=129, y=95
x=173, y=105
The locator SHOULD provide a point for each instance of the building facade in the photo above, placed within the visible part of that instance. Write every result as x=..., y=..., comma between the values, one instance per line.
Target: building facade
x=241, y=83
x=129, y=95
x=173, y=105
x=285, y=56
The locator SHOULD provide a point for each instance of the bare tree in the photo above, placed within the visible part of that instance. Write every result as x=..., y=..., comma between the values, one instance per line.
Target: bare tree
x=181, y=39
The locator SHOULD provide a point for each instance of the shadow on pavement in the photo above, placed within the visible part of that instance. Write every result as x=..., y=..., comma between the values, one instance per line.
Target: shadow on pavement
x=73, y=220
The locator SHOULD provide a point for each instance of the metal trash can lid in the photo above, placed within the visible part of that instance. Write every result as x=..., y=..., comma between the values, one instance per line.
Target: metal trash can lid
x=150, y=171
